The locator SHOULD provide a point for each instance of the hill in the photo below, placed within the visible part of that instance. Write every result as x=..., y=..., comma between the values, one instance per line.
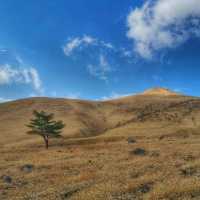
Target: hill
x=144, y=146
x=154, y=107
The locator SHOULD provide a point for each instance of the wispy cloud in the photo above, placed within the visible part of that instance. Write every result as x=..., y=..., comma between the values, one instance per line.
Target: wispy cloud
x=101, y=70
x=126, y=53
x=107, y=45
x=99, y=57
x=35, y=80
x=163, y=24
x=81, y=42
x=9, y=75
x=77, y=43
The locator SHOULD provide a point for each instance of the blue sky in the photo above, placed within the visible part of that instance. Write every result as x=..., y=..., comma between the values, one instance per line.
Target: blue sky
x=98, y=49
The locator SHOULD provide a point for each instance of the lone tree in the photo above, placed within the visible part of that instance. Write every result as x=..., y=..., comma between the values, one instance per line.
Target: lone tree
x=44, y=125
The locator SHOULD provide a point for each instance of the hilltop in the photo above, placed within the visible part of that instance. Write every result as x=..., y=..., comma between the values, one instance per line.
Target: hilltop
x=144, y=146
x=160, y=91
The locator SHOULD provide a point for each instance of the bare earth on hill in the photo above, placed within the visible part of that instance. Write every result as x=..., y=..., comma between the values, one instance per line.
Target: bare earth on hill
x=145, y=146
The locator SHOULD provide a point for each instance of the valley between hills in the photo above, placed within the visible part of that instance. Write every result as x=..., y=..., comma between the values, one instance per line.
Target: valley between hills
x=145, y=146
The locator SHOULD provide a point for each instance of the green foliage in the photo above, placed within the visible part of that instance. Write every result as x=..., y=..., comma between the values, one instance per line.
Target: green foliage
x=44, y=125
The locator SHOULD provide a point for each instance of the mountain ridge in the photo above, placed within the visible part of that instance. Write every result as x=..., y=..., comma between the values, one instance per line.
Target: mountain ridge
x=161, y=91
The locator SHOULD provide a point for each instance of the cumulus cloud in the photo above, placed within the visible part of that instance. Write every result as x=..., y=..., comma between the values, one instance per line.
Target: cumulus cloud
x=9, y=75
x=163, y=24
x=100, y=70
x=81, y=42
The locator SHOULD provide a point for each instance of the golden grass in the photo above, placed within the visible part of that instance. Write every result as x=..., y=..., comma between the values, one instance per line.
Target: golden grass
x=103, y=170
x=93, y=160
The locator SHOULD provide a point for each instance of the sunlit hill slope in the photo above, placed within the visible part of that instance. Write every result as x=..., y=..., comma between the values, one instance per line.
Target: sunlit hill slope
x=142, y=147
x=157, y=108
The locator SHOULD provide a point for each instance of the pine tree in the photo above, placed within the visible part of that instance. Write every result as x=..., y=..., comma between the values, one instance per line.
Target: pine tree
x=44, y=125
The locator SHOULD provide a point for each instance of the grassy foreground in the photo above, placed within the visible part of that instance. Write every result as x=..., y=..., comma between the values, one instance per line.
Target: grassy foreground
x=104, y=168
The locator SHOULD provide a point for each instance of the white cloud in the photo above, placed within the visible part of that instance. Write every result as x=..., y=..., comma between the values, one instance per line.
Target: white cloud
x=9, y=75
x=77, y=42
x=163, y=24
x=35, y=79
x=126, y=53
x=103, y=63
x=107, y=45
x=88, y=39
x=5, y=74
x=71, y=45
x=100, y=70
x=85, y=41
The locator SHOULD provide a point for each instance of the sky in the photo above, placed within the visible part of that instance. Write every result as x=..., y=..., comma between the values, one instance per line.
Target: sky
x=98, y=50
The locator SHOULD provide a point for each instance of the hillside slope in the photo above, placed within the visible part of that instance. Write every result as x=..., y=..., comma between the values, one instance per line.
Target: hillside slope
x=142, y=147
x=154, y=108
x=82, y=118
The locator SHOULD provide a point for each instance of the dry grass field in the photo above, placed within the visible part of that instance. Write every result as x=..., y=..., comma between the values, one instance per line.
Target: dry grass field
x=139, y=147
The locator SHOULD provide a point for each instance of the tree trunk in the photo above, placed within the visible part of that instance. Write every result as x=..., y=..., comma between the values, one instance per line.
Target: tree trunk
x=46, y=140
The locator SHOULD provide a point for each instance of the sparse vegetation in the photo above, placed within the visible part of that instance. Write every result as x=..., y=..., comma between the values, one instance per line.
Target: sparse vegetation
x=27, y=168
x=44, y=126
x=106, y=152
x=139, y=152
x=131, y=140
x=7, y=179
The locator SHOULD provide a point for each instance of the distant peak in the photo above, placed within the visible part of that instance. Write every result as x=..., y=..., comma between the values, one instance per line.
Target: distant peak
x=159, y=91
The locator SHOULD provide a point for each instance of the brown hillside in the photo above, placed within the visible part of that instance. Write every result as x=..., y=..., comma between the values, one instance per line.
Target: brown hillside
x=142, y=147
x=90, y=118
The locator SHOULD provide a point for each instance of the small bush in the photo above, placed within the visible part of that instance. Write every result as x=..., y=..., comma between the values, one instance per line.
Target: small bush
x=139, y=152
x=7, y=179
x=131, y=140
